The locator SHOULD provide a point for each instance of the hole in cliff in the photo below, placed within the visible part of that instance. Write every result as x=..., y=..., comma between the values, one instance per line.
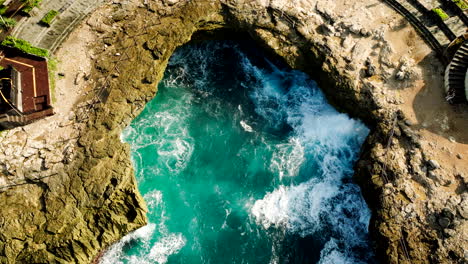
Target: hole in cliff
x=131, y=214
x=114, y=182
x=241, y=159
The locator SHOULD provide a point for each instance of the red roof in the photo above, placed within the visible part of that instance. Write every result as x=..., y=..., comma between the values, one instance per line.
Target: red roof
x=34, y=79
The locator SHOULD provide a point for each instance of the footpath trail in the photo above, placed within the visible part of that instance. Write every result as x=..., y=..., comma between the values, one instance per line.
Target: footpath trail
x=71, y=13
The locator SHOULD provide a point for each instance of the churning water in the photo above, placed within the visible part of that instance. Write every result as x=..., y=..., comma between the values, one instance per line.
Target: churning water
x=244, y=161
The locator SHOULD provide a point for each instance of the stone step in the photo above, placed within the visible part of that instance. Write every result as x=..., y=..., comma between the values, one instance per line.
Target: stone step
x=457, y=78
x=459, y=62
x=460, y=58
x=457, y=74
x=462, y=53
x=411, y=9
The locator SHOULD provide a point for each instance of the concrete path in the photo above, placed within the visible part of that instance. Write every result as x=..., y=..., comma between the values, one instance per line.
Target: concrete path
x=71, y=13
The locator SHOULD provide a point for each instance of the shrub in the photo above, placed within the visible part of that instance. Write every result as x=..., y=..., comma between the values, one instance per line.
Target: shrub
x=461, y=3
x=47, y=19
x=440, y=13
x=24, y=46
x=3, y=9
x=29, y=5
x=7, y=23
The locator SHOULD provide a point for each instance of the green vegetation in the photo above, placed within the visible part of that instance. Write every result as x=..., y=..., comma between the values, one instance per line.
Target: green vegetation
x=29, y=5
x=3, y=9
x=52, y=67
x=461, y=3
x=24, y=46
x=7, y=23
x=440, y=13
x=2, y=68
x=49, y=17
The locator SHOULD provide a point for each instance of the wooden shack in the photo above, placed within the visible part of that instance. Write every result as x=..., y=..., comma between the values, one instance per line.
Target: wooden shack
x=24, y=87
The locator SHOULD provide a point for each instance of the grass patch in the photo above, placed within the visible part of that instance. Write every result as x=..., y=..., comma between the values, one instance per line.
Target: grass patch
x=52, y=67
x=7, y=23
x=49, y=17
x=461, y=3
x=24, y=46
x=440, y=13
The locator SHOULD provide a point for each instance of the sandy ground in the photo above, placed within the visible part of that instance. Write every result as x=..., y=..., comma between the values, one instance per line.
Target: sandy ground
x=443, y=127
x=74, y=63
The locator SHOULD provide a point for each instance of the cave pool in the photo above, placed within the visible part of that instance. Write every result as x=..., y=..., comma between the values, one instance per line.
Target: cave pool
x=241, y=160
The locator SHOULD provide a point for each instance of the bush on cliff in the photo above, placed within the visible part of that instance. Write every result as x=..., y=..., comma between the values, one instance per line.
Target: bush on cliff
x=440, y=13
x=29, y=5
x=24, y=46
x=461, y=3
x=7, y=23
x=49, y=17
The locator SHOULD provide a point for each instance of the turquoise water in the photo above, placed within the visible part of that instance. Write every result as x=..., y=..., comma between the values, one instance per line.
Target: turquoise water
x=244, y=161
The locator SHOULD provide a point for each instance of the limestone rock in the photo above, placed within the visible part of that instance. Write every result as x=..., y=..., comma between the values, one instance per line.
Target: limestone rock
x=433, y=164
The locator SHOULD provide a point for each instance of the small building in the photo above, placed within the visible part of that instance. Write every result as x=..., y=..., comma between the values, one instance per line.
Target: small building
x=24, y=86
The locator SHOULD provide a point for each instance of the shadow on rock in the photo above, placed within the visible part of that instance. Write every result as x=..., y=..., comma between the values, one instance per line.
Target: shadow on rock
x=433, y=112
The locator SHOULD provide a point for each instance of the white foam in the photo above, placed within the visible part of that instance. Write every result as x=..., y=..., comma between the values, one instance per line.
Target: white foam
x=167, y=246
x=296, y=208
x=287, y=158
x=115, y=254
x=153, y=199
x=324, y=136
x=330, y=254
x=246, y=127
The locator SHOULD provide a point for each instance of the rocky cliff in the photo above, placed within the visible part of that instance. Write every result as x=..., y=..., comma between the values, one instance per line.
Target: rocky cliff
x=66, y=200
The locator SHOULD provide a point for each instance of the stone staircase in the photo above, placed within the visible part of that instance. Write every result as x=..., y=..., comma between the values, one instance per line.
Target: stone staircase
x=436, y=32
x=11, y=120
x=71, y=12
x=456, y=74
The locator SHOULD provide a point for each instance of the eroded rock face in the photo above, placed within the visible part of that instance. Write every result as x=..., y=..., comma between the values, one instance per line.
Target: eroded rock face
x=81, y=196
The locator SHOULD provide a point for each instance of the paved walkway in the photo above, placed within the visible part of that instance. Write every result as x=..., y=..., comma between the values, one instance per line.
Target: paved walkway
x=71, y=13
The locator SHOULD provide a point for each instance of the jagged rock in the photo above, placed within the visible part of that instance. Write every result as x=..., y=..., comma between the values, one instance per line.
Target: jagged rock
x=171, y=2
x=433, y=164
x=400, y=75
x=444, y=222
